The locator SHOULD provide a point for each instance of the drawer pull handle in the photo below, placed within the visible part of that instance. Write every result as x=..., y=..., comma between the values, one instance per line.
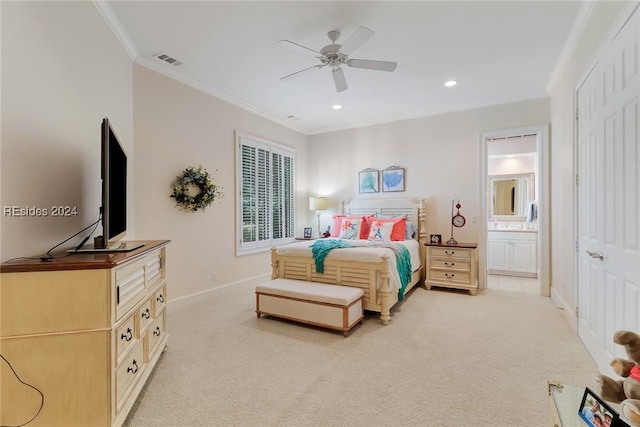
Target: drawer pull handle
x=449, y=253
x=146, y=314
x=160, y=298
x=449, y=265
x=128, y=336
x=135, y=367
x=156, y=332
x=449, y=276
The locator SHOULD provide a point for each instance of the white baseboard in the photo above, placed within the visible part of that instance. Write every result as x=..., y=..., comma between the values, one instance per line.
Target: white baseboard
x=174, y=304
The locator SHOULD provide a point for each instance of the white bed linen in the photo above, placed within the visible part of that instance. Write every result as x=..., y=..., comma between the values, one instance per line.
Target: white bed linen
x=362, y=251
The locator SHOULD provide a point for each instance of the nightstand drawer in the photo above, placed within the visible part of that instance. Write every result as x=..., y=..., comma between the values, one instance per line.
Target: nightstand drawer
x=451, y=276
x=450, y=252
x=449, y=264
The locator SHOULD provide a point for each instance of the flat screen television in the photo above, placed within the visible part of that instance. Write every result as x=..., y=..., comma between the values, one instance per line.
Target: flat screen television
x=114, y=187
x=113, y=171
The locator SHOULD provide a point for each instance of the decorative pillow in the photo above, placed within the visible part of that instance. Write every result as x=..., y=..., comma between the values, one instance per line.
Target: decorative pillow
x=399, y=227
x=337, y=224
x=350, y=228
x=381, y=231
x=411, y=230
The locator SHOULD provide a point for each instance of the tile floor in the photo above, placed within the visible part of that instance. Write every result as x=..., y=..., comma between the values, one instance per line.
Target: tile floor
x=512, y=283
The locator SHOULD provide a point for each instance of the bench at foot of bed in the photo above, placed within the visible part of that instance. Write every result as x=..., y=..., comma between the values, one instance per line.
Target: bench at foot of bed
x=329, y=306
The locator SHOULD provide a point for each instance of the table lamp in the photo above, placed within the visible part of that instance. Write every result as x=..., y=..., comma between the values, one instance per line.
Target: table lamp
x=318, y=204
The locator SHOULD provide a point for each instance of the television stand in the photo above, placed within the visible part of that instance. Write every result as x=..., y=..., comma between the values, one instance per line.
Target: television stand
x=116, y=247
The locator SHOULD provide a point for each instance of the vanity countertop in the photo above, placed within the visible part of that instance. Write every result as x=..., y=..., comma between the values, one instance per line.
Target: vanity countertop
x=513, y=230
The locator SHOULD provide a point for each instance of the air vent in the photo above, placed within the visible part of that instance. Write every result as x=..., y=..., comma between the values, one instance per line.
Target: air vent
x=166, y=58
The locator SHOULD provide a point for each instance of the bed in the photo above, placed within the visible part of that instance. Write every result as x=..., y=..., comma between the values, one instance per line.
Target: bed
x=373, y=269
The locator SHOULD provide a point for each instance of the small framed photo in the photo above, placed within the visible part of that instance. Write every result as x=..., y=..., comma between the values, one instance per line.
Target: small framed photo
x=595, y=412
x=307, y=232
x=368, y=181
x=436, y=239
x=393, y=179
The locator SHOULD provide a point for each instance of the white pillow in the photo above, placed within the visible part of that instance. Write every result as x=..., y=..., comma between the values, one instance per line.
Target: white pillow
x=381, y=231
x=350, y=228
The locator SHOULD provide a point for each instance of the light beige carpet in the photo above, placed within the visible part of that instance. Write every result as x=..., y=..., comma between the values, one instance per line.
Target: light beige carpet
x=446, y=359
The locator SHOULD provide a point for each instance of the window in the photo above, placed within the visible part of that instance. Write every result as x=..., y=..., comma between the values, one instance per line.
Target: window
x=266, y=183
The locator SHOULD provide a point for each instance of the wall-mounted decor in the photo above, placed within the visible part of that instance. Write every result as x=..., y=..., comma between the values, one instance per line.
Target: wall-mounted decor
x=368, y=181
x=194, y=190
x=393, y=179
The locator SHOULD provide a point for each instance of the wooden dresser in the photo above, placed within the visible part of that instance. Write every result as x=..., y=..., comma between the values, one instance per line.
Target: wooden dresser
x=80, y=335
x=452, y=266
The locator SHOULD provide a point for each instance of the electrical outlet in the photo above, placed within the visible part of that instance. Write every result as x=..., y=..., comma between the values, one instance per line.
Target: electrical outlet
x=214, y=276
x=474, y=219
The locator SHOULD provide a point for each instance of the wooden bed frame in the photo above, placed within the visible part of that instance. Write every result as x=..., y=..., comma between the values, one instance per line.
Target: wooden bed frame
x=358, y=273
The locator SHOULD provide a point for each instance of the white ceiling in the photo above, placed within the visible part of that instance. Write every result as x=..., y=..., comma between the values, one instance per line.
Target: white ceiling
x=499, y=52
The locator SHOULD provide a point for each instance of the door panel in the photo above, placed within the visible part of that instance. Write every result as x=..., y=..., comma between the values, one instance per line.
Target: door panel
x=608, y=270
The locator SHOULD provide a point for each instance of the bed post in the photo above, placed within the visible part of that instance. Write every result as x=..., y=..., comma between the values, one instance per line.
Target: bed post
x=422, y=219
x=385, y=292
x=274, y=263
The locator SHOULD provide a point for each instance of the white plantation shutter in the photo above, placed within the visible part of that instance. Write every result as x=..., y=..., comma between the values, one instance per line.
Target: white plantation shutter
x=267, y=188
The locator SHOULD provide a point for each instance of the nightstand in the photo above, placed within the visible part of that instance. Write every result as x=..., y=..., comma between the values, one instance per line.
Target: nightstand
x=452, y=266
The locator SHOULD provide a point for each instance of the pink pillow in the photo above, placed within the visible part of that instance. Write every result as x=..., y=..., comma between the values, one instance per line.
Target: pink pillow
x=399, y=227
x=337, y=225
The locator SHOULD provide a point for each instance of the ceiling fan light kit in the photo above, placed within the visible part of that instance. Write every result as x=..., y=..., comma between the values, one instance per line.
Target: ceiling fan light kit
x=335, y=55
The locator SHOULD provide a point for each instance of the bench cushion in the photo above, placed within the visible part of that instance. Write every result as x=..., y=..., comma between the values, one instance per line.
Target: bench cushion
x=320, y=292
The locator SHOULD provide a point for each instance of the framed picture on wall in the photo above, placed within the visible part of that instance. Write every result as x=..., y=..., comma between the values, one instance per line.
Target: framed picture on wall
x=368, y=181
x=393, y=179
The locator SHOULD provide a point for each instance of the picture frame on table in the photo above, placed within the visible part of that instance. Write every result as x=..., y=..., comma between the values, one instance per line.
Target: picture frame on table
x=369, y=181
x=436, y=239
x=595, y=412
x=307, y=232
x=393, y=179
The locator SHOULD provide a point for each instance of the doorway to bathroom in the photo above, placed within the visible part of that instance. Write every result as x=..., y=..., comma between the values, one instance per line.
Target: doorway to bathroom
x=514, y=224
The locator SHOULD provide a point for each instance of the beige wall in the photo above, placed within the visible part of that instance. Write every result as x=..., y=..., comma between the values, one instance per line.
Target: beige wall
x=596, y=31
x=63, y=70
x=177, y=126
x=441, y=155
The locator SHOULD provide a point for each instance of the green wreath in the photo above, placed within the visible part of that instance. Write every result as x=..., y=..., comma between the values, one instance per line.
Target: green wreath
x=195, y=179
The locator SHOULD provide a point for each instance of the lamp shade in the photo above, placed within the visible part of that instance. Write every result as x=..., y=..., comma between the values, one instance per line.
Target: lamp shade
x=317, y=203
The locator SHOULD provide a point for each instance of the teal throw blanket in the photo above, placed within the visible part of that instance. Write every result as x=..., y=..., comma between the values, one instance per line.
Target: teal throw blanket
x=321, y=247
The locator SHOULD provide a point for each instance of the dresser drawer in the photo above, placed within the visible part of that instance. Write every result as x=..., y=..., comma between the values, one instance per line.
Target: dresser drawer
x=128, y=373
x=145, y=314
x=160, y=300
x=451, y=276
x=450, y=252
x=451, y=264
x=126, y=335
x=156, y=333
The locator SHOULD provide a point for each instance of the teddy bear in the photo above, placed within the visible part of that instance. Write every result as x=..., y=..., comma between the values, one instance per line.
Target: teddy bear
x=626, y=391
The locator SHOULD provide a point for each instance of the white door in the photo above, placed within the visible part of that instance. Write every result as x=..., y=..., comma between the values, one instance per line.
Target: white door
x=608, y=271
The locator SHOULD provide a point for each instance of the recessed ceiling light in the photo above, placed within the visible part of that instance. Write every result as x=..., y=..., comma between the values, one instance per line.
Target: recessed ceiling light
x=337, y=107
x=451, y=83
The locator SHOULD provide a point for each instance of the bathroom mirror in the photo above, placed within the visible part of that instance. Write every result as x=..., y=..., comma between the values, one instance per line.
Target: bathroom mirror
x=510, y=196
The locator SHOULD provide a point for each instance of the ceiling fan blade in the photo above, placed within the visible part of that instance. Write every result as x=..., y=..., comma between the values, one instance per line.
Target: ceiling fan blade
x=303, y=71
x=297, y=47
x=361, y=35
x=372, y=65
x=339, y=80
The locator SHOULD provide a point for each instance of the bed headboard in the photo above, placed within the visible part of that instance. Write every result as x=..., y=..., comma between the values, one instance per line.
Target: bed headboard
x=415, y=211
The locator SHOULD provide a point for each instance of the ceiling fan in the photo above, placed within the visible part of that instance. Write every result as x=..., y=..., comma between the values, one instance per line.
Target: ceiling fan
x=335, y=55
